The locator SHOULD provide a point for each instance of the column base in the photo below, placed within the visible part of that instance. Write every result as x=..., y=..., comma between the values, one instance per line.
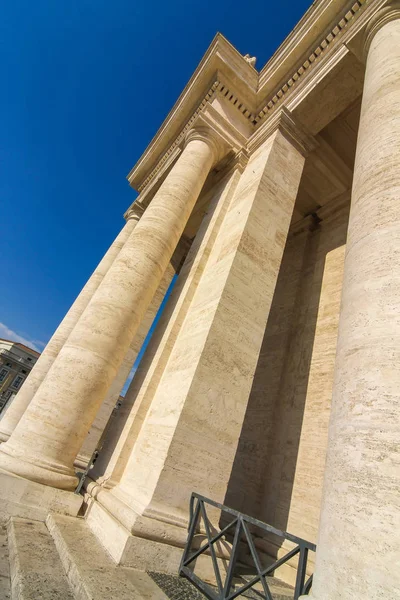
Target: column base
x=29, y=500
x=4, y=436
x=56, y=476
x=150, y=545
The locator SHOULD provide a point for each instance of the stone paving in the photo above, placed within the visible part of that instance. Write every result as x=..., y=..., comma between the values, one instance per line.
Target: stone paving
x=177, y=588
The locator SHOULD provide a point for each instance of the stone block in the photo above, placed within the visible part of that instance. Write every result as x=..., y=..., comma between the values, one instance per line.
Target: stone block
x=27, y=499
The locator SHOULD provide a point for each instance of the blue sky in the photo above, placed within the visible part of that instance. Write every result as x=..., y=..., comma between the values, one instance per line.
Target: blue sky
x=85, y=86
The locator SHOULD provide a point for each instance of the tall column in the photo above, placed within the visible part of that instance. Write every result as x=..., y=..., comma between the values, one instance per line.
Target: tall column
x=13, y=414
x=121, y=437
x=190, y=433
x=104, y=413
x=358, y=552
x=48, y=437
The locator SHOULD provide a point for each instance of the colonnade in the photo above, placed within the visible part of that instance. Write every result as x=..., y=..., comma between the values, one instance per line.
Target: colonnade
x=206, y=382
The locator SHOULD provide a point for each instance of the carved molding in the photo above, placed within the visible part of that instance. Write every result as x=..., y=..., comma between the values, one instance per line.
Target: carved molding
x=313, y=57
x=209, y=136
x=135, y=211
x=221, y=88
x=180, y=137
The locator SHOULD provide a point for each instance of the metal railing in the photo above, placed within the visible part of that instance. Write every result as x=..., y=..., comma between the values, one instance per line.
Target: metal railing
x=240, y=529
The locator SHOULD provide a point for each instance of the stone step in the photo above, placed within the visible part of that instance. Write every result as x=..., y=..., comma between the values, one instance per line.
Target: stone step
x=36, y=569
x=92, y=573
x=5, y=583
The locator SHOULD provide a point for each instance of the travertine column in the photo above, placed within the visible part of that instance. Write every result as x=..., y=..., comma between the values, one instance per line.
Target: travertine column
x=13, y=414
x=358, y=552
x=138, y=399
x=47, y=439
x=104, y=413
x=190, y=433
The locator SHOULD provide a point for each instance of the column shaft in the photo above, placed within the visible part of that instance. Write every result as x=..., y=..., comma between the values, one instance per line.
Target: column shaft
x=47, y=439
x=358, y=549
x=104, y=413
x=13, y=414
x=112, y=460
x=189, y=436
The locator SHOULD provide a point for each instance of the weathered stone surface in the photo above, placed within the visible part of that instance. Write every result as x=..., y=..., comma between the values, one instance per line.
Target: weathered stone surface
x=188, y=437
x=91, y=440
x=358, y=545
x=92, y=573
x=113, y=460
x=279, y=465
x=234, y=396
x=36, y=569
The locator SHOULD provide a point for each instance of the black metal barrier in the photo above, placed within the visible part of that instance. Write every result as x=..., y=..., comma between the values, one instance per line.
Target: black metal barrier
x=240, y=528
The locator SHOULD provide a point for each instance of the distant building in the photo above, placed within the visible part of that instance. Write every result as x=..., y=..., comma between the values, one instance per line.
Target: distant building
x=16, y=362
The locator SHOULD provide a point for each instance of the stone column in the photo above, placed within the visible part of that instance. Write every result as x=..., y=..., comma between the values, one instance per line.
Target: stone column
x=190, y=433
x=115, y=389
x=125, y=429
x=358, y=552
x=12, y=416
x=47, y=439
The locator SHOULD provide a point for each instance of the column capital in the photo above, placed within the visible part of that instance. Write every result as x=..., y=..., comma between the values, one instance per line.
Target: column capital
x=388, y=13
x=208, y=135
x=218, y=132
x=135, y=211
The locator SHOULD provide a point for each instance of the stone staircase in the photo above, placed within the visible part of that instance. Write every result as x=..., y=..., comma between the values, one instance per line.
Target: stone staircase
x=63, y=560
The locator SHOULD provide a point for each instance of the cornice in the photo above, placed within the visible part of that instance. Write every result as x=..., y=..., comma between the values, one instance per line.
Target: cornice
x=135, y=211
x=224, y=72
x=316, y=23
x=242, y=80
x=177, y=142
x=217, y=88
x=334, y=208
x=320, y=49
x=324, y=216
x=304, y=225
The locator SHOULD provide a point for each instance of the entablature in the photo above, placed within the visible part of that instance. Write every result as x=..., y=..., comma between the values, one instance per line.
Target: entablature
x=323, y=43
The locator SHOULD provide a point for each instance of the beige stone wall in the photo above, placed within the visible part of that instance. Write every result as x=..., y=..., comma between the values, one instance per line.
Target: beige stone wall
x=279, y=465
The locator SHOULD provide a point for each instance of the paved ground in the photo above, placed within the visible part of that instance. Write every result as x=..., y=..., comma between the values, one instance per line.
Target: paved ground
x=176, y=588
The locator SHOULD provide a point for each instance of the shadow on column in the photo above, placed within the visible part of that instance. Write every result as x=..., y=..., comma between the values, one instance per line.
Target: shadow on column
x=120, y=423
x=263, y=472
